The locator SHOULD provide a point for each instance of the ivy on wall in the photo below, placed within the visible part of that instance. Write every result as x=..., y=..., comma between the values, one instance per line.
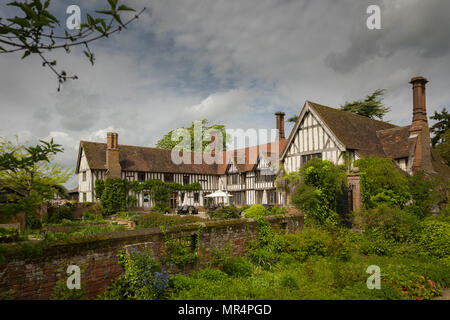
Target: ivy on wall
x=114, y=193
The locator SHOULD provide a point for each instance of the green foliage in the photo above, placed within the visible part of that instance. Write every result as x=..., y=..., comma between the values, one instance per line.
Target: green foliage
x=382, y=183
x=166, y=142
x=441, y=128
x=256, y=210
x=99, y=188
x=114, y=196
x=389, y=223
x=320, y=185
x=61, y=292
x=57, y=213
x=371, y=107
x=143, y=278
x=237, y=267
x=434, y=238
x=443, y=148
x=180, y=252
x=36, y=31
x=225, y=212
x=155, y=220
x=27, y=177
x=9, y=235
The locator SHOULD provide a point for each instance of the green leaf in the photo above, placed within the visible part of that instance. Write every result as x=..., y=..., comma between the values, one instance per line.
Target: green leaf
x=113, y=4
x=123, y=7
x=20, y=21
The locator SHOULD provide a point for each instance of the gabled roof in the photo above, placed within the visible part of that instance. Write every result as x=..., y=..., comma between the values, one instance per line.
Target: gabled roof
x=146, y=159
x=354, y=131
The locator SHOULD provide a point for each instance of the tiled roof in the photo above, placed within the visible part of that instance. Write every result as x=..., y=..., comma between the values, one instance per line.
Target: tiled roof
x=396, y=142
x=146, y=159
x=354, y=131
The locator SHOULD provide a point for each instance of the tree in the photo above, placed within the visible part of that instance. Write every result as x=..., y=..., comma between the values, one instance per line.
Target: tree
x=317, y=193
x=166, y=141
x=27, y=176
x=371, y=107
x=443, y=148
x=440, y=128
x=292, y=119
x=34, y=31
x=382, y=182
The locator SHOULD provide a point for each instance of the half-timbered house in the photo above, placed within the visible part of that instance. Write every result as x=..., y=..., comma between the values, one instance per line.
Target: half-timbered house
x=248, y=174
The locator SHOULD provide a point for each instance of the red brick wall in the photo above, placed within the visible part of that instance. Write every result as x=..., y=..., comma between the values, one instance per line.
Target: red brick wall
x=35, y=277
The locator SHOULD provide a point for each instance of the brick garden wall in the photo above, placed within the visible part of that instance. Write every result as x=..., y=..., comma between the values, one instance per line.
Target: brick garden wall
x=34, y=275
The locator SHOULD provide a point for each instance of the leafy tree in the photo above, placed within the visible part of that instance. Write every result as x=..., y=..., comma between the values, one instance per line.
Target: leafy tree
x=36, y=30
x=443, y=148
x=293, y=119
x=166, y=141
x=441, y=127
x=320, y=185
x=382, y=182
x=27, y=176
x=371, y=107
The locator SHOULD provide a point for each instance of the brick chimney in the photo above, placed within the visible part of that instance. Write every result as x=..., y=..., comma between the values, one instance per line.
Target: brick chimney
x=214, y=144
x=419, y=127
x=112, y=156
x=280, y=124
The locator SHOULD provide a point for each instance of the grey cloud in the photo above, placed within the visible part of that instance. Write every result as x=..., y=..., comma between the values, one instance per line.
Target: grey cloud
x=418, y=26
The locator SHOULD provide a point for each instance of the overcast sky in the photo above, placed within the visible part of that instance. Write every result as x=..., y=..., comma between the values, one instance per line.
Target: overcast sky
x=234, y=62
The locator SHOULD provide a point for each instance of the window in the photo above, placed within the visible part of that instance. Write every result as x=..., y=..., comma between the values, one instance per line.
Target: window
x=196, y=196
x=84, y=175
x=308, y=157
x=238, y=198
x=141, y=176
x=84, y=197
x=265, y=176
x=168, y=177
x=233, y=179
x=271, y=197
x=186, y=180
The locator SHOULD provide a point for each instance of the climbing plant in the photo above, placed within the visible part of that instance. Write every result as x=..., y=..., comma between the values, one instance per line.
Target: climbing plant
x=114, y=193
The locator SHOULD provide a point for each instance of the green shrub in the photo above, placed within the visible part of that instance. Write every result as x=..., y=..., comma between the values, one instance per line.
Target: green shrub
x=389, y=223
x=226, y=212
x=57, y=213
x=309, y=242
x=114, y=196
x=434, y=238
x=9, y=235
x=256, y=210
x=237, y=267
x=382, y=182
x=180, y=252
x=155, y=220
x=277, y=210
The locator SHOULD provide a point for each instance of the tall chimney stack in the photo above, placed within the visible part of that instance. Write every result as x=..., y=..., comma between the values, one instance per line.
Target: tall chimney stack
x=419, y=126
x=113, y=167
x=280, y=124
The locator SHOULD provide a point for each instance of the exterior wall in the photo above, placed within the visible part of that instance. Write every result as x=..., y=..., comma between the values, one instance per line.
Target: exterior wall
x=311, y=137
x=34, y=277
x=87, y=186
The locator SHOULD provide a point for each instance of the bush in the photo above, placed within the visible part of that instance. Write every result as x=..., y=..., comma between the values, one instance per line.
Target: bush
x=382, y=182
x=114, y=196
x=57, y=213
x=237, y=267
x=276, y=211
x=389, y=223
x=309, y=242
x=434, y=238
x=9, y=235
x=155, y=220
x=256, y=210
x=227, y=212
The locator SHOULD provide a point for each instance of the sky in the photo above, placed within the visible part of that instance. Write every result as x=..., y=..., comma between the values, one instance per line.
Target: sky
x=233, y=62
